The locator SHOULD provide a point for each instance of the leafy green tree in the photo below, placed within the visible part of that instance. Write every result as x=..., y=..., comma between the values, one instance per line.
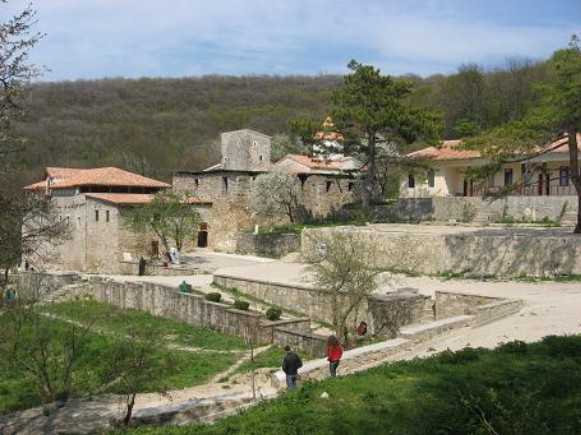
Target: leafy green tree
x=170, y=216
x=556, y=115
x=371, y=109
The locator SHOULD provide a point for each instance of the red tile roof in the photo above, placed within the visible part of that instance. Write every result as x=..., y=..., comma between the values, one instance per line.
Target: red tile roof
x=122, y=198
x=65, y=178
x=314, y=163
x=136, y=198
x=450, y=151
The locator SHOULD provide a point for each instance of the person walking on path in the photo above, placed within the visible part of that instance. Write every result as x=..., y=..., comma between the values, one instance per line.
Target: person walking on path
x=291, y=365
x=142, y=264
x=334, y=353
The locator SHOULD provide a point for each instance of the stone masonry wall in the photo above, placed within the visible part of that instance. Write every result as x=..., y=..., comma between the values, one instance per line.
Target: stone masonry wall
x=269, y=245
x=526, y=208
x=478, y=253
x=457, y=304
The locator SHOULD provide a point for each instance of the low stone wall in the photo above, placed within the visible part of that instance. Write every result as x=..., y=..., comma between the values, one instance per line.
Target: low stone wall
x=388, y=313
x=456, y=304
x=479, y=253
x=132, y=268
x=268, y=328
x=267, y=245
x=167, y=302
x=527, y=208
x=315, y=344
x=302, y=298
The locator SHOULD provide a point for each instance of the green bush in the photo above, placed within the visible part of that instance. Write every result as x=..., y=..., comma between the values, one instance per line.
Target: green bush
x=214, y=297
x=241, y=305
x=273, y=313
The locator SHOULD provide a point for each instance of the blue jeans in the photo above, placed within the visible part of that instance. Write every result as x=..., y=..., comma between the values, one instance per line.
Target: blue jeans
x=291, y=381
x=333, y=368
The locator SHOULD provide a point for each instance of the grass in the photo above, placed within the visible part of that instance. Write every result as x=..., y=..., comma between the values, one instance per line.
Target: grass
x=93, y=375
x=118, y=320
x=271, y=358
x=517, y=388
x=553, y=278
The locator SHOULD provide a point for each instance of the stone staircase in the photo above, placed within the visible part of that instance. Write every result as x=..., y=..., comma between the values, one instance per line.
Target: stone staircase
x=66, y=292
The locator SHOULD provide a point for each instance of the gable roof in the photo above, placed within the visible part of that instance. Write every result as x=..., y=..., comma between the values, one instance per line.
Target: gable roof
x=451, y=150
x=335, y=164
x=66, y=178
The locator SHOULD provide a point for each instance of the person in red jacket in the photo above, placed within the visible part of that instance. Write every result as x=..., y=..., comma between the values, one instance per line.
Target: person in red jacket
x=334, y=353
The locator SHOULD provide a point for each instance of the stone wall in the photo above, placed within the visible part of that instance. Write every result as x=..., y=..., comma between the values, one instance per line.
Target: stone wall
x=467, y=209
x=164, y=301
x=245, y=150
x=480, y=253
x=388, y=313
x=305, y=299
x=314, y=344
x=268, y=245
x=457, y=304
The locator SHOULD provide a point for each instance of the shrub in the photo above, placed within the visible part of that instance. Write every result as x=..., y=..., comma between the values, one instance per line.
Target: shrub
x=214, y=297
x=516, y=346
x=273, y=313
x=241, y=305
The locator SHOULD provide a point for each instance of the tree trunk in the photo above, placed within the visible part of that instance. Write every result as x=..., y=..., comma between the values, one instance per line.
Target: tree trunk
x=370, y=188
x=130, y=405
x=575, y=172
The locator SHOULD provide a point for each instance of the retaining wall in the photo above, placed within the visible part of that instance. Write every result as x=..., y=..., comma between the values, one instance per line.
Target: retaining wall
x=527, y=208
x=480, y=252
x=269, y=245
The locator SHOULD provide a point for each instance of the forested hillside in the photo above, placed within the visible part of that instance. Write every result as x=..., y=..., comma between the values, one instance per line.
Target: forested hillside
x=154, y=126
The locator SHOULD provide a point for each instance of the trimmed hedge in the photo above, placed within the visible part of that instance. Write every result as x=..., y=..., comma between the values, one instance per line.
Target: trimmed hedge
x=213, y=297
x=273, y=313
x=241, y=305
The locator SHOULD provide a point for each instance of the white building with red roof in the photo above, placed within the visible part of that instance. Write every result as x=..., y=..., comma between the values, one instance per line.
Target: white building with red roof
x=445, y=172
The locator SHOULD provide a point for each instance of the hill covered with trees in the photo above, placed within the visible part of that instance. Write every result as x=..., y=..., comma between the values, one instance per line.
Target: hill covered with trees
x=156, y=125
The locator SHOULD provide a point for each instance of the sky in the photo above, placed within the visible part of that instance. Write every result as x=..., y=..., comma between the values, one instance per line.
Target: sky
x=87, y=39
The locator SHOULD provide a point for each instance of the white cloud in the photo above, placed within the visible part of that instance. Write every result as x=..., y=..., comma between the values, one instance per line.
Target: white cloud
x=93, y=38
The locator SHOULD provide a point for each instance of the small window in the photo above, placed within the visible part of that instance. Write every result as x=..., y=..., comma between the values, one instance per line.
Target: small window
x=107, y=216
x=328, y=186
x=431, y=178
x=411, y=181
x=260, y=158
x=96, y=215
x=564, y=176
x=351, y=186
x=508, y=177
x=197, y=182
x=225, y=183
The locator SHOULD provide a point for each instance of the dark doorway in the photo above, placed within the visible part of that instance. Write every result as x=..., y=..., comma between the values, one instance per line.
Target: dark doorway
x=154, y=249
x=203, y=235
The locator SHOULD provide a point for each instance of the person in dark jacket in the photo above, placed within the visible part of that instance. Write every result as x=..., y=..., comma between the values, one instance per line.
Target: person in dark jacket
x=291, y=365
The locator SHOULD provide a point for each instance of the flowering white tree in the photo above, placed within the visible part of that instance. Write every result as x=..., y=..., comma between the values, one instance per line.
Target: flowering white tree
x=275, y=194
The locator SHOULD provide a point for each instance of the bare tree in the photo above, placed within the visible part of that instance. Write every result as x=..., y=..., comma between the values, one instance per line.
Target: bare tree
x=345, y=266
x=34, y=342
x=137, y=360
x=275, y=195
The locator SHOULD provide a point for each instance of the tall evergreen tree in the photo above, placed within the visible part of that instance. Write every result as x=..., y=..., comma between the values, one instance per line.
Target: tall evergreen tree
x=371, y=109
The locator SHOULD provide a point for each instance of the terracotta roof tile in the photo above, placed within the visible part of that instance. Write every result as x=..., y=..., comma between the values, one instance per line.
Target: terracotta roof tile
x=449, y=151
x=65, y=178
x=122, y=198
